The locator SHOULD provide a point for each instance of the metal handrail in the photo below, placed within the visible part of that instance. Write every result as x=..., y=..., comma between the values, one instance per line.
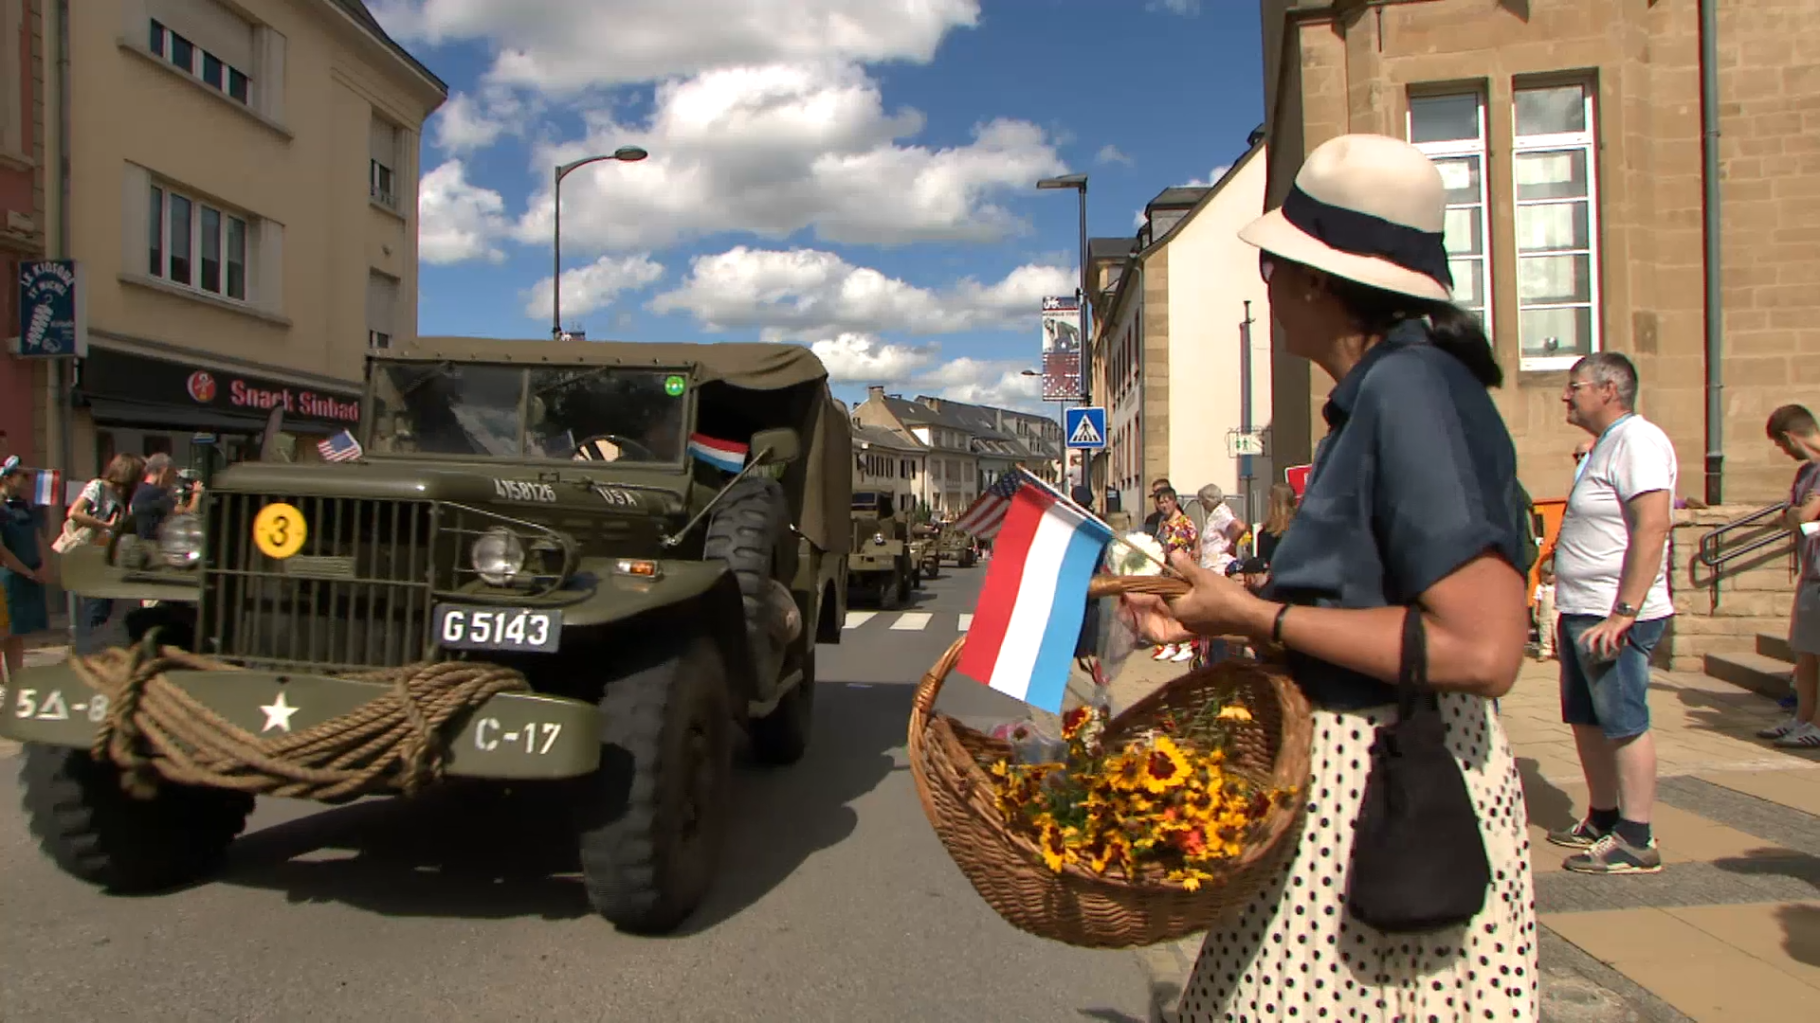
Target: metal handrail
x=1709, y=552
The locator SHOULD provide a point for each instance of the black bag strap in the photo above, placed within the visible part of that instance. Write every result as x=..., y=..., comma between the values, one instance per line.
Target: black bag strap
x=1412, y=674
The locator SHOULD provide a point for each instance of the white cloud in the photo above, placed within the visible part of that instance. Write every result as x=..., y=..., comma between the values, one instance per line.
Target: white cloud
x=457, y=220
x=595, y=286
x=854, y=358
x=1213, y=175
x=804, y=294
x=1138, y=218
x=470, y=121
x=860, y=359
x=996, y=382
x=1182, y=7
x=1112, y=154
x=566, y=45
x=777, y=149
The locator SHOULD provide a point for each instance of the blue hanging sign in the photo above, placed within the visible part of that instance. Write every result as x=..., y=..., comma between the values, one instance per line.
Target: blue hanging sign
x=52, y=320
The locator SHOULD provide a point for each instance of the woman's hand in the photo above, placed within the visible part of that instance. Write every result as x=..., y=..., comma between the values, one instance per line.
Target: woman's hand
x=1215, y=606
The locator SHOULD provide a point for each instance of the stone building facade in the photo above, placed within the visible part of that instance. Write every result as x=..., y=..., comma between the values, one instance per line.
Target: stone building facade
x=1570, y=135
x=24, y=383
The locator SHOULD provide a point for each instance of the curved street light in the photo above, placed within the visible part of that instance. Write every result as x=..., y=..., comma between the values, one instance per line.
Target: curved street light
x=624, y=154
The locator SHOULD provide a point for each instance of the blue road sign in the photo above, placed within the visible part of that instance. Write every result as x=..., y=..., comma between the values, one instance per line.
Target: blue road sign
x=1084, y=426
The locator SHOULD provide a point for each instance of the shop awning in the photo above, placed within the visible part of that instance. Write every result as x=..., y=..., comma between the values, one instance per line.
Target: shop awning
x=112, y=412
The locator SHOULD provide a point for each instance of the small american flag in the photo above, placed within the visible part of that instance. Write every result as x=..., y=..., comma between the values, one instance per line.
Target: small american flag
x=340, y=448
x=984, y=516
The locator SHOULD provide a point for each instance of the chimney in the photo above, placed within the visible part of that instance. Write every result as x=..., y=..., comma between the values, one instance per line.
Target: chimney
x=875, y=392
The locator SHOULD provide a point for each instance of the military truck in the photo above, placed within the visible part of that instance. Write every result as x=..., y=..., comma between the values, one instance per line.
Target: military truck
x=956, y=545
x=655, y=535
x=880, y=563
x=924, y=552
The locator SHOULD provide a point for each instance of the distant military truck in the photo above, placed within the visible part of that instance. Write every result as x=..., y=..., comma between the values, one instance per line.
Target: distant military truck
x=925, y=551
x=880, y=564
x=958, y=546
x=655, y=535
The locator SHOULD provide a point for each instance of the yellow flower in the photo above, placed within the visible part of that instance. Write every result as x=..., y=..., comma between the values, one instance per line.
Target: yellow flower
x=1000, y=769
x=1126, y=772
x=1165, y=767
x=1234, y=712
x=1054, y=845
x=1190, y=878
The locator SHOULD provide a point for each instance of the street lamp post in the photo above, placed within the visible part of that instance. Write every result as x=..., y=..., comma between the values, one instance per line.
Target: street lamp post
x=1078, y=182
x=624, y=154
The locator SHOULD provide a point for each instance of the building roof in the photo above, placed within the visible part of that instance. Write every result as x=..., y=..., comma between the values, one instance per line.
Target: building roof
x=879, y=437
x=982, y=421
x=357, y=10
x=1180, y=196
x=915, y=413
x=1110, y=248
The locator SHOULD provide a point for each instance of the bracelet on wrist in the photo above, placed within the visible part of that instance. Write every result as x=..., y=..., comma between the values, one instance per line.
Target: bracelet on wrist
x=1276, y=627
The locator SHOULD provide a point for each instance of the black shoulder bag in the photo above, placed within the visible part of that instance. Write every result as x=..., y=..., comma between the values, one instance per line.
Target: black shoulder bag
x=1418, y=859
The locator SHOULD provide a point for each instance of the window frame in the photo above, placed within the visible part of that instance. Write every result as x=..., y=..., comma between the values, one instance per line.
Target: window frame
x=377, y=193
x=159, y=250
x=1455, y=149
x=160, y=41
x=1586, y=141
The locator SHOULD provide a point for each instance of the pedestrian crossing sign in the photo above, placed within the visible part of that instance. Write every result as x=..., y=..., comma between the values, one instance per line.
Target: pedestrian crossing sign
x=1084, y=426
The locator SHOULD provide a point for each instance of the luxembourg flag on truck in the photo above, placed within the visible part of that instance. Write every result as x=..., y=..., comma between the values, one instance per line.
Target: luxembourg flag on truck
x=721, y=454
x=1030, y=611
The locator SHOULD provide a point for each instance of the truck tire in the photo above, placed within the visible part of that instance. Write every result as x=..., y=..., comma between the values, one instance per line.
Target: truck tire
x=650, y=821
x=781, y=737
x=95, y=831
x=744, y=532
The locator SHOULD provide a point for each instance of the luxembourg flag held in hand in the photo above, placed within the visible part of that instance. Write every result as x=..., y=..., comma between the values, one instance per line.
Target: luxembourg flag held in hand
x=1031, y=608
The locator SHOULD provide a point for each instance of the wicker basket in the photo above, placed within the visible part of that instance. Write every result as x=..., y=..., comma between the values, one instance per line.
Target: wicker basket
x=1076, y=906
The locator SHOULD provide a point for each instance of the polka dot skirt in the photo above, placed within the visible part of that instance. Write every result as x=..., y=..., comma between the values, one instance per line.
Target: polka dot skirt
x=1294, y=953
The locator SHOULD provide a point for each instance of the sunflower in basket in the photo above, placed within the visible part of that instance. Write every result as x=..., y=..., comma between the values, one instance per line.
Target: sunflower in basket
x=1160, y=803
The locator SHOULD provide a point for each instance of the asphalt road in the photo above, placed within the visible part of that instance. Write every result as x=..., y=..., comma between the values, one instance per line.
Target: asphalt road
x=837, y=901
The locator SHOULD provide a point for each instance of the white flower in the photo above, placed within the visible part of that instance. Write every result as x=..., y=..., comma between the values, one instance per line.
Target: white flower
x=1137, y=554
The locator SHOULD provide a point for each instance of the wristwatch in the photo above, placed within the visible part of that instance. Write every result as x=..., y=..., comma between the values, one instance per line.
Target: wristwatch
x=1623, y=610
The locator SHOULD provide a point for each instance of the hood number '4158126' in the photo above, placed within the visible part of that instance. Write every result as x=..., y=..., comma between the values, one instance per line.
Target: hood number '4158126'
x=518, y=490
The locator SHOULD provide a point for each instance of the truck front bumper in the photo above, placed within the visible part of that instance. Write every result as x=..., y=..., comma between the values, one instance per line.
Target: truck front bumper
x=510, y=736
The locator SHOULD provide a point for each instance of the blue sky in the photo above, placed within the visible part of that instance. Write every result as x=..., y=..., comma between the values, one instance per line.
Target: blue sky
x=855, y=175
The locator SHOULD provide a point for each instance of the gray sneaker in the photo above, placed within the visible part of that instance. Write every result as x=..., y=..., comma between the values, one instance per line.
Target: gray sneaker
x=1581, y=836
x=1613, y=855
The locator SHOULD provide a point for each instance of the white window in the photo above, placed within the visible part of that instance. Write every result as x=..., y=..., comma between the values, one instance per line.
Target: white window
x=382, y=309
x=215, y=69
x=1557, y=224
x=197, y=245
x=382, y=163
x=1451, y=130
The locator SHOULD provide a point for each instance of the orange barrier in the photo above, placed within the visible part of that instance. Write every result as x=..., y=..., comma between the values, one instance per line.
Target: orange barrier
x=1551, y=509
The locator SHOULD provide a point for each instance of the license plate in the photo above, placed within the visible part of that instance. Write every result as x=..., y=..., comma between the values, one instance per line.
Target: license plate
x=498, y=628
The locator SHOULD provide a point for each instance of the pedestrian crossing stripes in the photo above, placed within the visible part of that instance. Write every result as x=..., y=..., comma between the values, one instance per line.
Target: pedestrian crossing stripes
x=910, y=621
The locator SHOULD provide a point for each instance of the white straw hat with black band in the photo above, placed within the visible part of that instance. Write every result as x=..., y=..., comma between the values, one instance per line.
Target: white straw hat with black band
x=1368, y=208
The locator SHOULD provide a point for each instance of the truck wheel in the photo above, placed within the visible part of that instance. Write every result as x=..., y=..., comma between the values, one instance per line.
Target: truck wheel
x=95, y=831
x=744, y=533
x=906, y=579
x=890, y=593
x=782, y=736
x=651, y=819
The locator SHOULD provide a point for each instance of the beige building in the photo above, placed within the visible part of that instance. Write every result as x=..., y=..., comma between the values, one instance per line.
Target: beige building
x=951, y=479
x=887, y=463
x=242, y=200
x=1175, y=316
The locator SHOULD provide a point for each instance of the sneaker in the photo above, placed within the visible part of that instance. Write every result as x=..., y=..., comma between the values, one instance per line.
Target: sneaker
x=1613, y=855
x=1779, y=729
x=1803, y=736
x=1581, y=836
x=1164, y=652
x=1186, y=653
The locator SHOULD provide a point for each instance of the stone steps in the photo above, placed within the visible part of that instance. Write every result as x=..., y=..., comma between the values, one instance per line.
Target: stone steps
x=1767, y=670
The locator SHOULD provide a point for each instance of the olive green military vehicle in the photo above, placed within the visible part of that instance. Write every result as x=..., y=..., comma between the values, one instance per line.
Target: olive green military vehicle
x=880, y=565
x=924, y=554
x=957, y=545
x=656, y=535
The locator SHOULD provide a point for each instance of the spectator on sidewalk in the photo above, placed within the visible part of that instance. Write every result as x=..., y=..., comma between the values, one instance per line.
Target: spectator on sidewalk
x=1176, y=532
x=158, y=498
x=23, y=572
x=1793, y=429
x=1276, y=523
x=98, y=511
x=1219, y=536
x=1155, y=518
x=1611, y=592
x=1547, y=616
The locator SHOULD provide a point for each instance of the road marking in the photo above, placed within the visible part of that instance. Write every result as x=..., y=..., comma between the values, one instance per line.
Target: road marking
x=912, y=621
x=855, y=619
x=966, y=623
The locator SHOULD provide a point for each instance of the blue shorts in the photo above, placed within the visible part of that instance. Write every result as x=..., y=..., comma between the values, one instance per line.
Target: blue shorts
x=1614, y=695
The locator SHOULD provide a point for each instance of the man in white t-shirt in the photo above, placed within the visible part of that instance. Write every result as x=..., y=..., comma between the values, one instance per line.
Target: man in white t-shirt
x=1611, y=592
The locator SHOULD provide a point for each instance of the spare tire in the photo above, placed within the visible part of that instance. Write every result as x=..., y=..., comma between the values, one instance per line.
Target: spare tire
x=744, y=532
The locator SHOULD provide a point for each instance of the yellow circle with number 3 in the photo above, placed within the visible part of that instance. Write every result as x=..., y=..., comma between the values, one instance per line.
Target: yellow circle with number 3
x=279, y=530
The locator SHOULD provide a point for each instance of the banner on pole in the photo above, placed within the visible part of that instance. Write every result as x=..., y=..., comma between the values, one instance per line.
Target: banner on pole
x=1062, y=356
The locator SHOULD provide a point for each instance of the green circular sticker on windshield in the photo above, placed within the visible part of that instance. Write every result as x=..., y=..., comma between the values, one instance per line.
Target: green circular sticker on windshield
x=674, y=385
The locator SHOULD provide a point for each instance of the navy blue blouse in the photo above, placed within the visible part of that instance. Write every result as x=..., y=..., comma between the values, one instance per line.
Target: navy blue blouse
x=1414, y=479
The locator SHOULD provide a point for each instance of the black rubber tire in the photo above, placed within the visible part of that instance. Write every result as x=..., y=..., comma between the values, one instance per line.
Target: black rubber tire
x=744, y=532
x=781, y=737
x=651, y=820
x=890, y=594
x=95, y=831
x=906, y=581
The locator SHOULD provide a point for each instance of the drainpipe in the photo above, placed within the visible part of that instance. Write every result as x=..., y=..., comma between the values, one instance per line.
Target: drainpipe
x=66, y=368
x=1710, y=185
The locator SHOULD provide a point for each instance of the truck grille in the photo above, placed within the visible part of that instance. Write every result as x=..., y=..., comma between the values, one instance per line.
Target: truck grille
x=357, y=595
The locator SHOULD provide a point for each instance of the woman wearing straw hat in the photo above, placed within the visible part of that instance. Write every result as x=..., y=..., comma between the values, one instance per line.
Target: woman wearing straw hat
x=1408, y=504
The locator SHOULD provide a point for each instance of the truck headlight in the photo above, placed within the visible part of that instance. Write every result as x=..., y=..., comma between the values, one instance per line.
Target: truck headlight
x=498, y=556
x=180, y=540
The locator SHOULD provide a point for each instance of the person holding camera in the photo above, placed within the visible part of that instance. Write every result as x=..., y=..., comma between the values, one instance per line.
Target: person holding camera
x=162, y=495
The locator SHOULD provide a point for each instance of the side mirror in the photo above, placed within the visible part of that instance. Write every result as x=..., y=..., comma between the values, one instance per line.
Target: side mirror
x=779, y=447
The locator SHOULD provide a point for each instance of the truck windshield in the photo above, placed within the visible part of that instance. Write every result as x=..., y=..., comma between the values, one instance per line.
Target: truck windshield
x=590, y=413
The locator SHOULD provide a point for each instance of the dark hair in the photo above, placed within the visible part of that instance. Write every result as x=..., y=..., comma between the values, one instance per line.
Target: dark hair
x=1792, y=420
x=1168, y=492
x=1451, y=329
